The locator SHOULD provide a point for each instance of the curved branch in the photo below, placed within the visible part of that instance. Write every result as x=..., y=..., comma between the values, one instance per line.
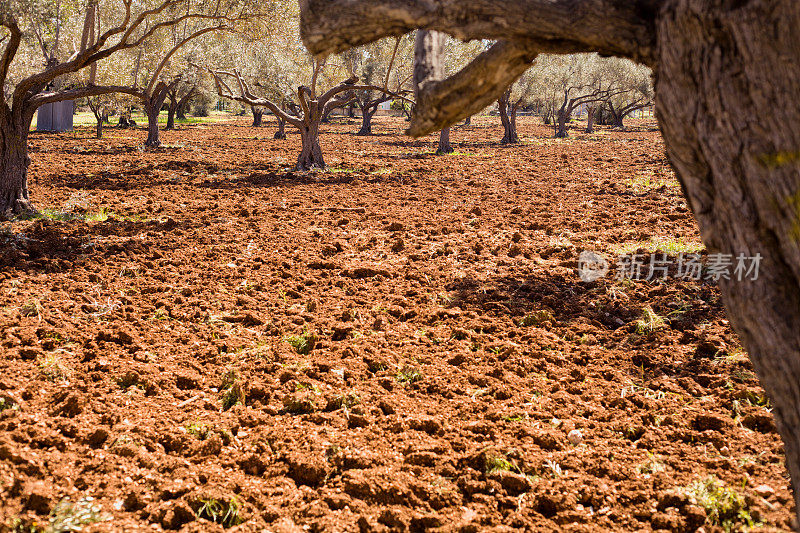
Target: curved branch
x=81, y=92
x=481, y=82
x=246, y=98
x=612, y=27
x=11, y=48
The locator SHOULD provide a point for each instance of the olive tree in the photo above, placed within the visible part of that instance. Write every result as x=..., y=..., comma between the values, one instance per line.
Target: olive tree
x=712, y=59
x=126, y=25
x=312, y=109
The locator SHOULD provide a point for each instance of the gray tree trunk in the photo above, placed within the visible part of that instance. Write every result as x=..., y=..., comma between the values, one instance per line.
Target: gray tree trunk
x=590, y=113
x=281, y=133
x=444, y=146
x=153, y=137
x=509, y=128
x=366, y=120
x=170, y=118
x=258, y=116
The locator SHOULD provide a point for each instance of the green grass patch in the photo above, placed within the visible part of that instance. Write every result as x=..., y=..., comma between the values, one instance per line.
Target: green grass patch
x=724, y=506
x=222, y=512
x=660, y=244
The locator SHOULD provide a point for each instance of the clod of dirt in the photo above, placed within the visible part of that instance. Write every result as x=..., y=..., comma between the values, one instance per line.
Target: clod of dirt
x=38, y=498
x=512, y=482
x=307, y=470
x=703, y=422
x=575, y=436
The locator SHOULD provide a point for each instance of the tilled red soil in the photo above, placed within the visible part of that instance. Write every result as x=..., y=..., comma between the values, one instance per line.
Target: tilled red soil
x=401, y=343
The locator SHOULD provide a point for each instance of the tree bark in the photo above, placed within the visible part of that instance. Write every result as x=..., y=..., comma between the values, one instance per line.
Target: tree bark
x=509, y=128
x=740, y=175
x=590, y=112
x=258, y=116
x=444, y=146
x=311, y=152
x=153, y=137
x=99, y=129
x=367, y=112
x=170, y=118
x=281, y=133
x=14, y=161
x=560, y=124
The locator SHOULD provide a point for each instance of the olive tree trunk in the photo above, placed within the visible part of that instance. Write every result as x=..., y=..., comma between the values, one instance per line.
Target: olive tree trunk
x=560, y=124
x=741, y=176
x=311, y=152
x=281, y=133
x=14, y=161
x=444, y=146
x=509, y=128
x=590, y=113
x=170, y=118
x=152, y=110
x=367, y=112
x=258, y=116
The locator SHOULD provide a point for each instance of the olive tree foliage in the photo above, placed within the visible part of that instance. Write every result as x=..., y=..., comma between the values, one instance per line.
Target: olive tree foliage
x=712, y=59
x=637, y=84
x=75, y=36
x=386, y=63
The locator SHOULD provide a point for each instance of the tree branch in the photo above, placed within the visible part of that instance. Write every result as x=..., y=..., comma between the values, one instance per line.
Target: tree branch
x=11, y=48
x=612, y=27
x=80, y=92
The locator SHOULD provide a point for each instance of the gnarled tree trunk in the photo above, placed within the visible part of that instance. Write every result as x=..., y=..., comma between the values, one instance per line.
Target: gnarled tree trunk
x=509, y=128
x=281, y=133
x=170, y=118
x=560, y=123
x=311, y=152
x=14, y=161
x=741, y=176
x=152, y=110
x=444, y=146
x=367, y=112
x=590, y=113
x=258, y=116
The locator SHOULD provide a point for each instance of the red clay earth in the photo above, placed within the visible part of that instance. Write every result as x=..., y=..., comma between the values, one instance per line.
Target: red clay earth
x=400, y=343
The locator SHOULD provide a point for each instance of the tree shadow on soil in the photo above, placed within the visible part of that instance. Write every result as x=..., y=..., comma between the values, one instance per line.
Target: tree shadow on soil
x=575, y=310
x=55, y=246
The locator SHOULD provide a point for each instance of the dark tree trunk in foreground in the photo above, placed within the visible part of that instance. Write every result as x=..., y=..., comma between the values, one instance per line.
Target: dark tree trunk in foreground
x=444, y=146
x=712, y=58
x=741, y=178
x=509, y=127
x=258, y=116
x=14, y=163
x=281, y=133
